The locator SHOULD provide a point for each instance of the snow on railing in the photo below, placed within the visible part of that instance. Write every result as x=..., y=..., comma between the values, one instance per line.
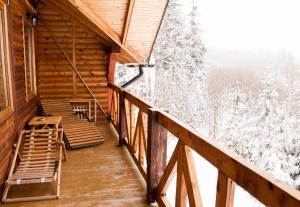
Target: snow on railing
x=149, y=138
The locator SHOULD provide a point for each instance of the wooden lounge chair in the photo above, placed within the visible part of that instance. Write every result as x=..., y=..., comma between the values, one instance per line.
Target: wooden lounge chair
x=37, y=161
x=78, y=132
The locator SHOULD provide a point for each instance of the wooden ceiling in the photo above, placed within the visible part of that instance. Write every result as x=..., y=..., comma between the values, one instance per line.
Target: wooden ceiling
x=131, y=25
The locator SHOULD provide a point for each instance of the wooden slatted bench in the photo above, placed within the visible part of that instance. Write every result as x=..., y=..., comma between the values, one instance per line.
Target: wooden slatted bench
x=78, y=132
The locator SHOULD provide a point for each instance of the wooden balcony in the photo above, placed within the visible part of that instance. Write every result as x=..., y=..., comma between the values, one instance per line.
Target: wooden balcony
x=102, y=175
x=131, y=168
x=77, y=53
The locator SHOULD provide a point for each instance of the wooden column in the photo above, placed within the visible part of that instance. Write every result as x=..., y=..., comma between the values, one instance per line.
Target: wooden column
x=111, y=66
x=156, y=153
x=122, y=120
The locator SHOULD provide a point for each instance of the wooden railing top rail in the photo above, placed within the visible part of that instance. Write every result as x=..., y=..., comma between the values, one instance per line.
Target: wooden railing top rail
x=258, y=183
x=114, y=87
x=270, y=192
x=141, y=104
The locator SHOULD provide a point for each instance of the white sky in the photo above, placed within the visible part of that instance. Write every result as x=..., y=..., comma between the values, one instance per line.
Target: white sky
x=250, y=24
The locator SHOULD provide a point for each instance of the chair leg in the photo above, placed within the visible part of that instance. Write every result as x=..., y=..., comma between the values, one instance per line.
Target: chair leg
x=58, y=187
x=59, y=173
x=6, y=189
x=65, y=151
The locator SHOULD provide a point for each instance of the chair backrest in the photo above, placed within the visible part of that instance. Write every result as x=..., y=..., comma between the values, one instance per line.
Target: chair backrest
x=41, y=144
x=57, y=107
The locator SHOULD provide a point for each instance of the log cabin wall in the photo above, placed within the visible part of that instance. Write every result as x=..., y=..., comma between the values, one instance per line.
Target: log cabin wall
x=20, y=110
x=6, y=140
x=7, y=118
x=56, y=78
x=26, y=107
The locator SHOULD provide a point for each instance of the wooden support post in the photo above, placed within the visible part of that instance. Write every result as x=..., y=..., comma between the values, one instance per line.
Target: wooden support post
x=111, y=66
x=156, y=153
x=225, y=191
x=122, y=120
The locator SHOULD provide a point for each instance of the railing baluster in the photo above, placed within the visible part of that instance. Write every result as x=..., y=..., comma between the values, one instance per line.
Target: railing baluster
x=191, y=178
x=225, y=191
x=122, y=124
x=181, y=191
x=131, y=124
x=141, y=150
x=136, y=135
x=126, y=108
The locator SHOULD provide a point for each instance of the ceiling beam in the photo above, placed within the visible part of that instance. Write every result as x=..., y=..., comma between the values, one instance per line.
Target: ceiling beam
x=128, y=19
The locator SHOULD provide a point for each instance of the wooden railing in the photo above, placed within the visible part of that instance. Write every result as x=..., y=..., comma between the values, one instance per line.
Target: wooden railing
x=150, y=138
x=115, y=103
x=129, y=115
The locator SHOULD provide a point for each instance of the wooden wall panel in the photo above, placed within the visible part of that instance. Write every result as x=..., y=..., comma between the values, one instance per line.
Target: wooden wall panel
x=91, y=61
x=2, y=89
x=25, y=109
x=7, y=137
x=84, y=48
x=54, y=72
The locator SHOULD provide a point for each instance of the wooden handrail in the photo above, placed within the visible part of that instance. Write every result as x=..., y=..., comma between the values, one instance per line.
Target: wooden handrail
x=143, y=105
x=114, y=87
x=259, y=184
x=232, y=168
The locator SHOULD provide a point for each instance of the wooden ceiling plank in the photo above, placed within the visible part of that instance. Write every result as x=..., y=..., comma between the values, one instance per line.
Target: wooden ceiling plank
x=145, y=23
x=101, y=24
x=83, y=8
x=106, y=9
x=128, y=18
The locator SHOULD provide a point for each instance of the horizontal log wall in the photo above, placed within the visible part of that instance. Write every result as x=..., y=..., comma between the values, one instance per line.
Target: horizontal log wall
x=25, y=109
x=84, y=48
x=6, y=141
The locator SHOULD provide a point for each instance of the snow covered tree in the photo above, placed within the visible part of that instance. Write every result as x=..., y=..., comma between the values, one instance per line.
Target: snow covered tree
x=169, y=55
x=249, y=101
x=180, y=75
x=196, y=74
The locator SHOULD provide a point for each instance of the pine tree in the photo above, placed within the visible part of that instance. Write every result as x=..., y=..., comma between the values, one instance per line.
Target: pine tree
x=180, y=74
x=168, y=52
x=197, y=85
